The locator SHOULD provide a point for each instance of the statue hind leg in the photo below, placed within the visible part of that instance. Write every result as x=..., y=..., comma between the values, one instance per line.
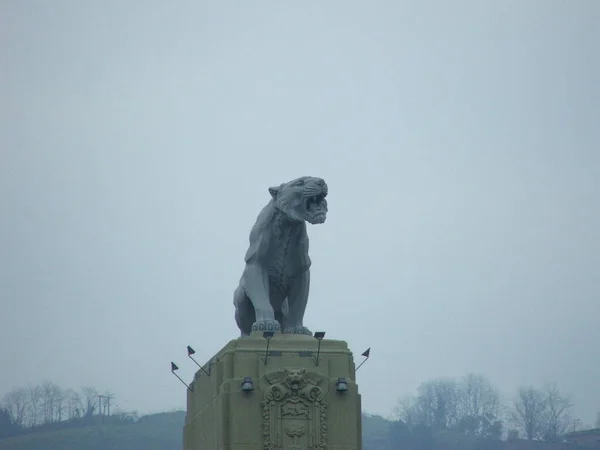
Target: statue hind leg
x=277, y=298
x=296, y=305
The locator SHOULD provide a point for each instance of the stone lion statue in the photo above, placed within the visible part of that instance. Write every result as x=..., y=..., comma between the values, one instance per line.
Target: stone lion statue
x=273, y=289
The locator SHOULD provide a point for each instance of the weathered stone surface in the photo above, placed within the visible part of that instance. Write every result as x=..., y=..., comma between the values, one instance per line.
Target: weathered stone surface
x=273, y=290
x=294, y=404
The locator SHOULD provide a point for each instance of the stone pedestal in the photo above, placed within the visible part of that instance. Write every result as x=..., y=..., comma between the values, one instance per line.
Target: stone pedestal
x=294, y=405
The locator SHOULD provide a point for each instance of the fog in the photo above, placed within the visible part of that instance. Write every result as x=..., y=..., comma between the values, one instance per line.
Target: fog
x=459, y=141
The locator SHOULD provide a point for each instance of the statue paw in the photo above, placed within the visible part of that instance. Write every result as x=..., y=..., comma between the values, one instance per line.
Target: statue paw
x=298, y=330
x=266, y=325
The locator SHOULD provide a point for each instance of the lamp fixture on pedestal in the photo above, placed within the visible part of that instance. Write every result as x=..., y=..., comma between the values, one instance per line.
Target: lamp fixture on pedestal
x=247, y=385
x=341, y=385
x=268, y=335
x=319, y=335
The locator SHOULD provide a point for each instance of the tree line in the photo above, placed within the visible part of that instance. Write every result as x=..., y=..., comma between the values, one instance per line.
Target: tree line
x=473, y=405
x=470, y=406
x=45, y=404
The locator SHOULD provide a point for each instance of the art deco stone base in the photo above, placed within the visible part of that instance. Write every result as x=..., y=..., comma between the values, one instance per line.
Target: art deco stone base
x=294, y=404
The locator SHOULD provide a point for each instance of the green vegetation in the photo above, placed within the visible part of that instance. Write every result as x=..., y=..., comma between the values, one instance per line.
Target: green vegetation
x=155, y=432
x=164, y=432
x=451, y=414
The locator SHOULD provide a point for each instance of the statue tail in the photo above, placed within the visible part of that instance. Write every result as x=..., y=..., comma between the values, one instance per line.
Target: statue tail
x=245, y=315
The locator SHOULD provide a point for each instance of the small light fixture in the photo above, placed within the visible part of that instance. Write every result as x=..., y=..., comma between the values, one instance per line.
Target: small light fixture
x=319, y=335
x=247, y=385
x=341, y=385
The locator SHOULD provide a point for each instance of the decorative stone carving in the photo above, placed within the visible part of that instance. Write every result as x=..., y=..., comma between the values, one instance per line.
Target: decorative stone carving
x=294, y=411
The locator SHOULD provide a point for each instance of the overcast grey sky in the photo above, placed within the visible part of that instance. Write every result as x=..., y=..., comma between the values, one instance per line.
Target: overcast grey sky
x=459, y=141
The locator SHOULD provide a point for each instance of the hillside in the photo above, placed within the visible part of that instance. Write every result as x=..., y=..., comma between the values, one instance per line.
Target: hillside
x=164, y=432
x=154, y=432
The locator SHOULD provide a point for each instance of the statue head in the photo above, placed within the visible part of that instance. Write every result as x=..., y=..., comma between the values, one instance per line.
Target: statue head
x=302, y=199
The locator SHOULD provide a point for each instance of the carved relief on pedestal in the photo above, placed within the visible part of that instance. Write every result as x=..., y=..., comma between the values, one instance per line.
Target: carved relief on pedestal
x=294, y=411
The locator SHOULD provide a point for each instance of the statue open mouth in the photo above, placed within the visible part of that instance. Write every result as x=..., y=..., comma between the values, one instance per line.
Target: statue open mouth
x=316, y=209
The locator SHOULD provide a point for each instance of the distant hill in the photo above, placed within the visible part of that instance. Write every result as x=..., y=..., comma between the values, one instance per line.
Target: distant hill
x=164, y=432
x=153, y=432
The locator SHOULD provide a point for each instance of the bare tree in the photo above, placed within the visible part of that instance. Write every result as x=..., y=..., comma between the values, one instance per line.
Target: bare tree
x=407, y=410
x=48, y=403
x=73, y=404
x=89, y=400
x=60, y=399
x=479, y=407
x=15, y=403
x=437, y=404
x=52, y=402
x=529, y=411
x=557, y=419
x=34, y=405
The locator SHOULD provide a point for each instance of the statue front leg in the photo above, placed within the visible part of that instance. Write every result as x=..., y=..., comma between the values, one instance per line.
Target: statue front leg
x=256, y=285
x=297, y=300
